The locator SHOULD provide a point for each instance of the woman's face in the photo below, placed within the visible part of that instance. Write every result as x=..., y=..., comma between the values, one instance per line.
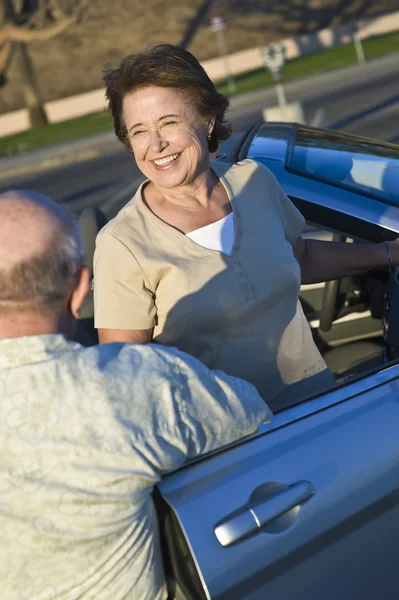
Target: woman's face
x=168, y=138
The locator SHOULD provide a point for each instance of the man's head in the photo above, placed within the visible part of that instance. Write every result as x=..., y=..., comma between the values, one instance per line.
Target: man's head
x=43, y=281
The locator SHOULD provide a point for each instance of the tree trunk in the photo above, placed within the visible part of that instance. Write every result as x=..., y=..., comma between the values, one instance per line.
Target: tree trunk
x=30, y=89
x=6, y=52
x=196, y=23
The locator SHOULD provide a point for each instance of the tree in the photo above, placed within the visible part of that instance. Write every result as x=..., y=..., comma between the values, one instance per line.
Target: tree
x=26, y=21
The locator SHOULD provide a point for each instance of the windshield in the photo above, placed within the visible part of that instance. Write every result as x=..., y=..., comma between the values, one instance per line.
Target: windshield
x=348, y=162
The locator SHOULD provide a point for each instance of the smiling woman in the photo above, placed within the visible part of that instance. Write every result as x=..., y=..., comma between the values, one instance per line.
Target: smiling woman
x=206, y=256
x=198, y=259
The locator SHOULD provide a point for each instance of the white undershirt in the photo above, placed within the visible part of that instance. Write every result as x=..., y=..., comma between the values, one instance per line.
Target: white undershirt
x=216, y=236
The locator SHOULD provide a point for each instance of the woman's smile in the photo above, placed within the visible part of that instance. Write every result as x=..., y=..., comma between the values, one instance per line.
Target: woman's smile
x=166, y=161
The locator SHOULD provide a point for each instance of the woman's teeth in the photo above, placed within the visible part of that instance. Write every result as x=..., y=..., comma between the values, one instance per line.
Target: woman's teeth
x=166, y=160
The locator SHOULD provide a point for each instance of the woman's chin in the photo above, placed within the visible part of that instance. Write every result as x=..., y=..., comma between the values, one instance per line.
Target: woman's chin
x=170, y=178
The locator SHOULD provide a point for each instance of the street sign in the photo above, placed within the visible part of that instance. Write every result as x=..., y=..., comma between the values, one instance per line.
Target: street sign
x=274, y=59
x=217, y=23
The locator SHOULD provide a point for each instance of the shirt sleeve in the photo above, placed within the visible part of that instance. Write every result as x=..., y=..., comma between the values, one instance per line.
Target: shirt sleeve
x=184, y=408
x=122, y=297
x=292, y=219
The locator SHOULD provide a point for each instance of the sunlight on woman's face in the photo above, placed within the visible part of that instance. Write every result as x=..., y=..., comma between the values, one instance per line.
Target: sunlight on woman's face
x=167, y=136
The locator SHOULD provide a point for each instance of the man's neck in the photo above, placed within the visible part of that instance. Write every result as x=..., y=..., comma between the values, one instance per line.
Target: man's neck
x=13, y=325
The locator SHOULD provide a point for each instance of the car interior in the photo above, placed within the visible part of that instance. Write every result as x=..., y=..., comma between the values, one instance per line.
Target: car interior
x=349, y=317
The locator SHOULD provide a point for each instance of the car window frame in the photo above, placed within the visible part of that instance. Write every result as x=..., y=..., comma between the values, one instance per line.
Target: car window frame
x=310, y=405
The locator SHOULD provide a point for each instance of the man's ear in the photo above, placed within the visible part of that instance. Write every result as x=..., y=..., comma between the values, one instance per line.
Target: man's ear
x=80, y=291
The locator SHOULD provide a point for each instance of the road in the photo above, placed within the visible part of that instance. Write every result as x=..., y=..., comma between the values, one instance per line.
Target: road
x=107, y=181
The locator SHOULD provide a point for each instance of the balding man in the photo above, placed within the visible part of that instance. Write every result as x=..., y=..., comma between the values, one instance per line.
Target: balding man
x=87, y=432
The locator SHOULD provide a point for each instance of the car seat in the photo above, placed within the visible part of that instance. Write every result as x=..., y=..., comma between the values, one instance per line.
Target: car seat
x=355, y=358
x=91, y=220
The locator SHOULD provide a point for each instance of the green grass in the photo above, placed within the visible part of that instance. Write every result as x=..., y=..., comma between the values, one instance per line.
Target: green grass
x=55, y=133
x=314, y=64
x=300, y=67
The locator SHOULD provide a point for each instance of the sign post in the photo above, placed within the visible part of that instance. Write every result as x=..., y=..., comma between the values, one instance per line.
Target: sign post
x=218, y=25
x=274, y=59
x=361, y=59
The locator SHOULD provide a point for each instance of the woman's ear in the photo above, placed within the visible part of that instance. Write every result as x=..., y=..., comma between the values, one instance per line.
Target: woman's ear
x=211, y=126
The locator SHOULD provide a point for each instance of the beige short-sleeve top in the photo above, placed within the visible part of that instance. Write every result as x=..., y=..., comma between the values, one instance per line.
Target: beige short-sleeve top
x=237, y=313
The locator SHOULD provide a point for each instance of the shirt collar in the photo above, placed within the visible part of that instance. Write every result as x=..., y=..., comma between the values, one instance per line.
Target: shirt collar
x=15, y=352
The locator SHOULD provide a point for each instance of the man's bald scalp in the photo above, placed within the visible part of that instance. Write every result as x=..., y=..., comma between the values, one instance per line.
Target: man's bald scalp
x=41, y=251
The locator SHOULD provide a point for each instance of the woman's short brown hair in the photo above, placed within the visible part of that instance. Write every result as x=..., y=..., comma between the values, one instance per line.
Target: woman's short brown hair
x=169, y=66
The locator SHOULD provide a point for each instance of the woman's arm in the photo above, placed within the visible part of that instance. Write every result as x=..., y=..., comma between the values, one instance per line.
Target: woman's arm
x=325, y=261
x=124, y=307
x=131, y=336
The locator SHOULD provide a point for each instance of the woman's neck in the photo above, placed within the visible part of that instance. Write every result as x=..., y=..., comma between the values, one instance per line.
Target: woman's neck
x=189, y=196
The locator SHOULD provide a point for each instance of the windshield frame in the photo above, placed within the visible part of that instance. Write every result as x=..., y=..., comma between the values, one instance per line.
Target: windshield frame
x=311, y=131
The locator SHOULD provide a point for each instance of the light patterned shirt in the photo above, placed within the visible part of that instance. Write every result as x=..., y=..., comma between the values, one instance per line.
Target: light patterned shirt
x=85, y=435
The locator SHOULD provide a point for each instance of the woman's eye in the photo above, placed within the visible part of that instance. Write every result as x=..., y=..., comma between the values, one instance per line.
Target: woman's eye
x=137, y=132
x=170, y=123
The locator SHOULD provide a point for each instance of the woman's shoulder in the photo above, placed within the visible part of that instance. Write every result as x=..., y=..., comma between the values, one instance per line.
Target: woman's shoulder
x=125, y=220
x=245, y=175
x=242, y=169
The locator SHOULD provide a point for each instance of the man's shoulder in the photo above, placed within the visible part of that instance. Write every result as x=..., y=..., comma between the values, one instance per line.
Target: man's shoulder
x=137, y=358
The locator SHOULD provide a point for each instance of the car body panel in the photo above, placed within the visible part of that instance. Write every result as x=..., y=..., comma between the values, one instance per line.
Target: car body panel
x=348, y=451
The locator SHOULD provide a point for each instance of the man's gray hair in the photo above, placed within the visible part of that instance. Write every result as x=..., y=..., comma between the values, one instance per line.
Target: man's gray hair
x=45, y=280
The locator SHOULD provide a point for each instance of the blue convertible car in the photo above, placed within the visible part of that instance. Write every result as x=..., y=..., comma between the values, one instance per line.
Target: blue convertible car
x=308, y=508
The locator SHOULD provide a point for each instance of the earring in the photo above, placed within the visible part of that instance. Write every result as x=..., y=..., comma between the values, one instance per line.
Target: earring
x=209, y=136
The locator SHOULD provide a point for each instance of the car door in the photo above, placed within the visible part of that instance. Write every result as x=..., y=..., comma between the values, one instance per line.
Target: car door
x=306, y=508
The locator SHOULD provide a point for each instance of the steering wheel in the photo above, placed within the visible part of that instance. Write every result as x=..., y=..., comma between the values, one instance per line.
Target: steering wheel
x=328, y=304
x=330, y=296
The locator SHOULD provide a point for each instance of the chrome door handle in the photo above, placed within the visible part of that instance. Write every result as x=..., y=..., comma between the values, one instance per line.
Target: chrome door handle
x=254, y=516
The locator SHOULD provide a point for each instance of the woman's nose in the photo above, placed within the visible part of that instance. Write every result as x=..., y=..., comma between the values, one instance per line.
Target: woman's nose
x=157, y=143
